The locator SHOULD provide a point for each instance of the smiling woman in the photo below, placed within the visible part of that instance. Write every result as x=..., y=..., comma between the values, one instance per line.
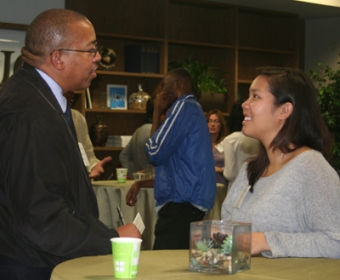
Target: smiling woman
x=288, y=191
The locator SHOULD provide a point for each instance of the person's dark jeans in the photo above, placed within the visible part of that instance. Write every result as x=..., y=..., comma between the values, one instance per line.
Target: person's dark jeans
x=11, y=269
x=172, y=230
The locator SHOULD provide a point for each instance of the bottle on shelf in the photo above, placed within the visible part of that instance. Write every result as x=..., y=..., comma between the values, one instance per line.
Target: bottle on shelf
x=138, y=100
x=99, y=132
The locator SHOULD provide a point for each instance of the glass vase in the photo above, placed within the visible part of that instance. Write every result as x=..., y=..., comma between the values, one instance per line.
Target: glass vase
x=220, y=246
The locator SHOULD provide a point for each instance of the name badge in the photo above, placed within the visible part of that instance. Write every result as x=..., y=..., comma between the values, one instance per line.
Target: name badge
x=83, y=154
x=241, y=196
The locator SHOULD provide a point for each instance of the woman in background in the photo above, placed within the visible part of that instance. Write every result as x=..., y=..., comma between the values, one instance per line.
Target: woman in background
x=217, y=129
x=288, y=191
x=134, y=156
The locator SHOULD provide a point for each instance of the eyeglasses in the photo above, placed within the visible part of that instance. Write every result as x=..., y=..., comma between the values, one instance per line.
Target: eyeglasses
x=94, y=51
x=214, y=121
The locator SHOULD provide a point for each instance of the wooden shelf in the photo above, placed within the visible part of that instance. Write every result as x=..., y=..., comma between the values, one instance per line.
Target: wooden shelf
x=178, y=42
x=108, y=148
x=129, y=74
x=129, y=37
x=266, y=50
x=113, y=111
x=244, y=81
x=267, y=30
x=235, y=39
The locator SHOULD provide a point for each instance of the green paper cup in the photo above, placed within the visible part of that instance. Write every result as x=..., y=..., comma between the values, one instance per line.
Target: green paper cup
x=125, y=253
x=121, y=175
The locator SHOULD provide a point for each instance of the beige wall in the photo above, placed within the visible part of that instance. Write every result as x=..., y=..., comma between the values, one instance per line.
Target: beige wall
x=24, y=11
x=20, y=12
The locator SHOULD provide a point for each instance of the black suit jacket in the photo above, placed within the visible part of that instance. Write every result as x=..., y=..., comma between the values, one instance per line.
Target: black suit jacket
x=48, y=210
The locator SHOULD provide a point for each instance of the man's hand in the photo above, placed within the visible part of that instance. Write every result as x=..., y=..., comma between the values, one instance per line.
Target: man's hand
x=218, y=169
x=161, y=103
x=128, y=230
x=131, y=196
x=98, y=169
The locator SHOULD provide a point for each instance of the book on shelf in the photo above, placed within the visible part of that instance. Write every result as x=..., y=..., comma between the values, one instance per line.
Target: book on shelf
x=118, y=140
x=142, y=58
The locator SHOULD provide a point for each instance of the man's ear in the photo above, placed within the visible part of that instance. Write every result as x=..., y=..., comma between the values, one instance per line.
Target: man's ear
x=286, y=110
x=177, y=83
x=57, y=60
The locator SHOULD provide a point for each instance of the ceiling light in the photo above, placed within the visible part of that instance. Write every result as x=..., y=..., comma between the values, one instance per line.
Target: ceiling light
x=9, y=41
x=333, y=3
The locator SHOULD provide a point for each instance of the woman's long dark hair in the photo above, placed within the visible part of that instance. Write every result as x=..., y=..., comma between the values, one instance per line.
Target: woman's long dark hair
x=236, y=117
x=304, y=127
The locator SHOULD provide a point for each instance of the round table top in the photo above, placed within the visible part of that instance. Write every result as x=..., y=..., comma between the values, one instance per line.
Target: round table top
x=173, y=264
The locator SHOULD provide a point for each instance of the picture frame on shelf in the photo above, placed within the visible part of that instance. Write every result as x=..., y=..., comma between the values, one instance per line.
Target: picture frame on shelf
x=117, y=97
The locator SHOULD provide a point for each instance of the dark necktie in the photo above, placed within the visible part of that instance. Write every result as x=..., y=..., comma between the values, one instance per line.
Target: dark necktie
x=68, y=117
x=69, y=120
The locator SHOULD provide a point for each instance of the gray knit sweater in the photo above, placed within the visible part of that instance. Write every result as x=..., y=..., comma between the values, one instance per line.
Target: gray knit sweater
x=298, y=208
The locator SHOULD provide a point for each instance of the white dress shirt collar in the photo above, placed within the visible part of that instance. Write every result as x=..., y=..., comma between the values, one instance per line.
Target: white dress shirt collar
x=56, y=89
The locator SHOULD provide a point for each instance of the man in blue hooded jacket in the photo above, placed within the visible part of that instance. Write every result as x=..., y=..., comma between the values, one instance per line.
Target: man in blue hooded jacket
x=180, y=148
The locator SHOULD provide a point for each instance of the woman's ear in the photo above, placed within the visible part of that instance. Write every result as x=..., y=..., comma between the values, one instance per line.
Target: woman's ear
x=286, y=110
x=56, y=60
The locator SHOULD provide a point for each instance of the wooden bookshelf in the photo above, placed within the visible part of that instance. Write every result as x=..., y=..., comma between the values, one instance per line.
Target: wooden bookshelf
x=236, y=39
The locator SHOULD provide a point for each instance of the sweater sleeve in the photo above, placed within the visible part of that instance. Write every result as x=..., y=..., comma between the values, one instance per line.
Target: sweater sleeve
x=318, y=214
